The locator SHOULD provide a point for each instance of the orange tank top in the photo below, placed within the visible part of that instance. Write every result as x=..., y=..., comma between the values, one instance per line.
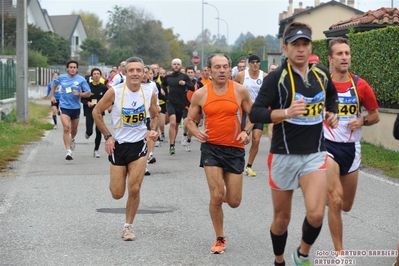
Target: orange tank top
x=222, y=117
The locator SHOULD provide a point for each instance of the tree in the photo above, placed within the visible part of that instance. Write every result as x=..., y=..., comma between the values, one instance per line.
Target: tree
x=273, y=43
x=243, y=38
x=10, y=26
x=36, y=59
x=146, y=38
x=117, y=55
x=255, y=45
x=93, y=25
x=120, y=26
x=93, y=46
x=50, y=44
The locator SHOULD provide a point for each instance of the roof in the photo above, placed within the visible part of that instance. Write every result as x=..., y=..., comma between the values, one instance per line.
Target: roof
x=302, y=11
x=372, y=19
x=382, y=16
x=65, y=25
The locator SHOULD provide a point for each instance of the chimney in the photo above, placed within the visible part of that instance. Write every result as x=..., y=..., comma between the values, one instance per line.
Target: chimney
x=316, y=3
x=300, y=5
x=342, y=2
x=285, y=14
x=351, y=3
x=289, y=14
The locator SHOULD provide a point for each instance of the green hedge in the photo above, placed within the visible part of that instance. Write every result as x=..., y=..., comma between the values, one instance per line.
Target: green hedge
x=374, y=58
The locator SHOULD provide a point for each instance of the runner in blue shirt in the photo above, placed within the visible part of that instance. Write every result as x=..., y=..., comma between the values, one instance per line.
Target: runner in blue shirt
x=72, y=87
x=54, y=106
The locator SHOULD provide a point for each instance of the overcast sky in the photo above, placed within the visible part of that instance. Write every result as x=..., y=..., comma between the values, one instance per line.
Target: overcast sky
x=260, y=17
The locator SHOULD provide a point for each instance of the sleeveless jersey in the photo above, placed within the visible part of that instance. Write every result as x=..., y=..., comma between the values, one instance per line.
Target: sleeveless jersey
x=222, y=117
x=253, y=85
x=352, y=96
x=129, y=113
x=150, y=85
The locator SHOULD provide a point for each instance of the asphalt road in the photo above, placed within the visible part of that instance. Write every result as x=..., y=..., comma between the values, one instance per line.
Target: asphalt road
x=58, y=212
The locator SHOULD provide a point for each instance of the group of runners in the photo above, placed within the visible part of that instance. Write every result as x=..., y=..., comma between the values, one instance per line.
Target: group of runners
x=315, y=116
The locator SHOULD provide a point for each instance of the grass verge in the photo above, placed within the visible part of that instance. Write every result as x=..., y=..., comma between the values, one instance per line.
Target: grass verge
x=14, y=135
x=380, y=158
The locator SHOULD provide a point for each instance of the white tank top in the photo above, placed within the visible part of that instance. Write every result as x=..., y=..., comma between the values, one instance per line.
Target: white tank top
x=253, y=85
x=129, y=113
x=348, y=109
x=153, y=87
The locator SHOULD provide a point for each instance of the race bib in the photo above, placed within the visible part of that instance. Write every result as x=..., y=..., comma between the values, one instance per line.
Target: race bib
x=314, y=110
x=134, y=117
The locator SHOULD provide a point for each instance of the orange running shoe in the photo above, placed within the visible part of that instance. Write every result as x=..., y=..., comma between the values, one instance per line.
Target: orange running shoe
x=218, y=247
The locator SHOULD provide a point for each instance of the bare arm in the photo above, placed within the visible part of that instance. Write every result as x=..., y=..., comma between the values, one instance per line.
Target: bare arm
x=240, y=77
x=101, y=106
x=52, y=98
x=193, y=112
x=154, y=117
x=246, y=104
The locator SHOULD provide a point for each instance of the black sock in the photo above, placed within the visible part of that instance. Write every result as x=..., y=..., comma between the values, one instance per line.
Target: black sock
x=172, y=145
x=300, y=254
x=279, y=264
x=185, y=134
x=55, y=119
x=249, y=165
x=188, y=140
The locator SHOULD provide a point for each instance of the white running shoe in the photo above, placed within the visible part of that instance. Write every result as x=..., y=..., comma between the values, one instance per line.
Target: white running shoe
x=73, y=144
x=69, y=155
x=96, y=154
x=188, y=146
x=184, y=141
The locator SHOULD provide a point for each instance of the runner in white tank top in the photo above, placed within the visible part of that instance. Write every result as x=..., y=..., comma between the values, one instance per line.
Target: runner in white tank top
x=127, y=146
x=252, y=79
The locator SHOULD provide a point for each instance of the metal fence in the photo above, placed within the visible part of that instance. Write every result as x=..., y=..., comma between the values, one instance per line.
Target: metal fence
x=8, y=78
x=40, y=76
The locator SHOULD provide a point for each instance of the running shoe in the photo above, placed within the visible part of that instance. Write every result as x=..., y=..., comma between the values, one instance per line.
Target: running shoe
x=151, y=159
x=162, y=138
x=87, y=136
x=69, y=155
x=127, y=234
x=73, y=144
x=340, y=259
x=172, y=150
x=184, y=141
x=147, y=172
x=299, y=260
x=188, y=146
x=219, y=246
x=96, y=154
x=55, y=127
x=157, y=143
x=249, y=172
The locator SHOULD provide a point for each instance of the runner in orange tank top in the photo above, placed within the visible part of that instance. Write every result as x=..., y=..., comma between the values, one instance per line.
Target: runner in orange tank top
x=222, y=141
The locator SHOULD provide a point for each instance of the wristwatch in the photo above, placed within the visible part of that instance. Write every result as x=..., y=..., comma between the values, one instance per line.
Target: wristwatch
x=248, y=132
x=107, y=136
x=365, y=121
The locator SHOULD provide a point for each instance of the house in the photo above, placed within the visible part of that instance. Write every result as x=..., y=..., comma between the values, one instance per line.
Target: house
x=72, y=29
x=68, y=26
x=319, y=18
x=35, y=14
x=372, y=19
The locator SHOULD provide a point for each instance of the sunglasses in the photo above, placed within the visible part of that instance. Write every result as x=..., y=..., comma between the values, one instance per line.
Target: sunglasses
x=254, y=62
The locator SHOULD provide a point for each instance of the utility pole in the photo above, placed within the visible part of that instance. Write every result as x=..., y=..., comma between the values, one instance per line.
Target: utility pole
x=22, y=62
x=2, y=26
